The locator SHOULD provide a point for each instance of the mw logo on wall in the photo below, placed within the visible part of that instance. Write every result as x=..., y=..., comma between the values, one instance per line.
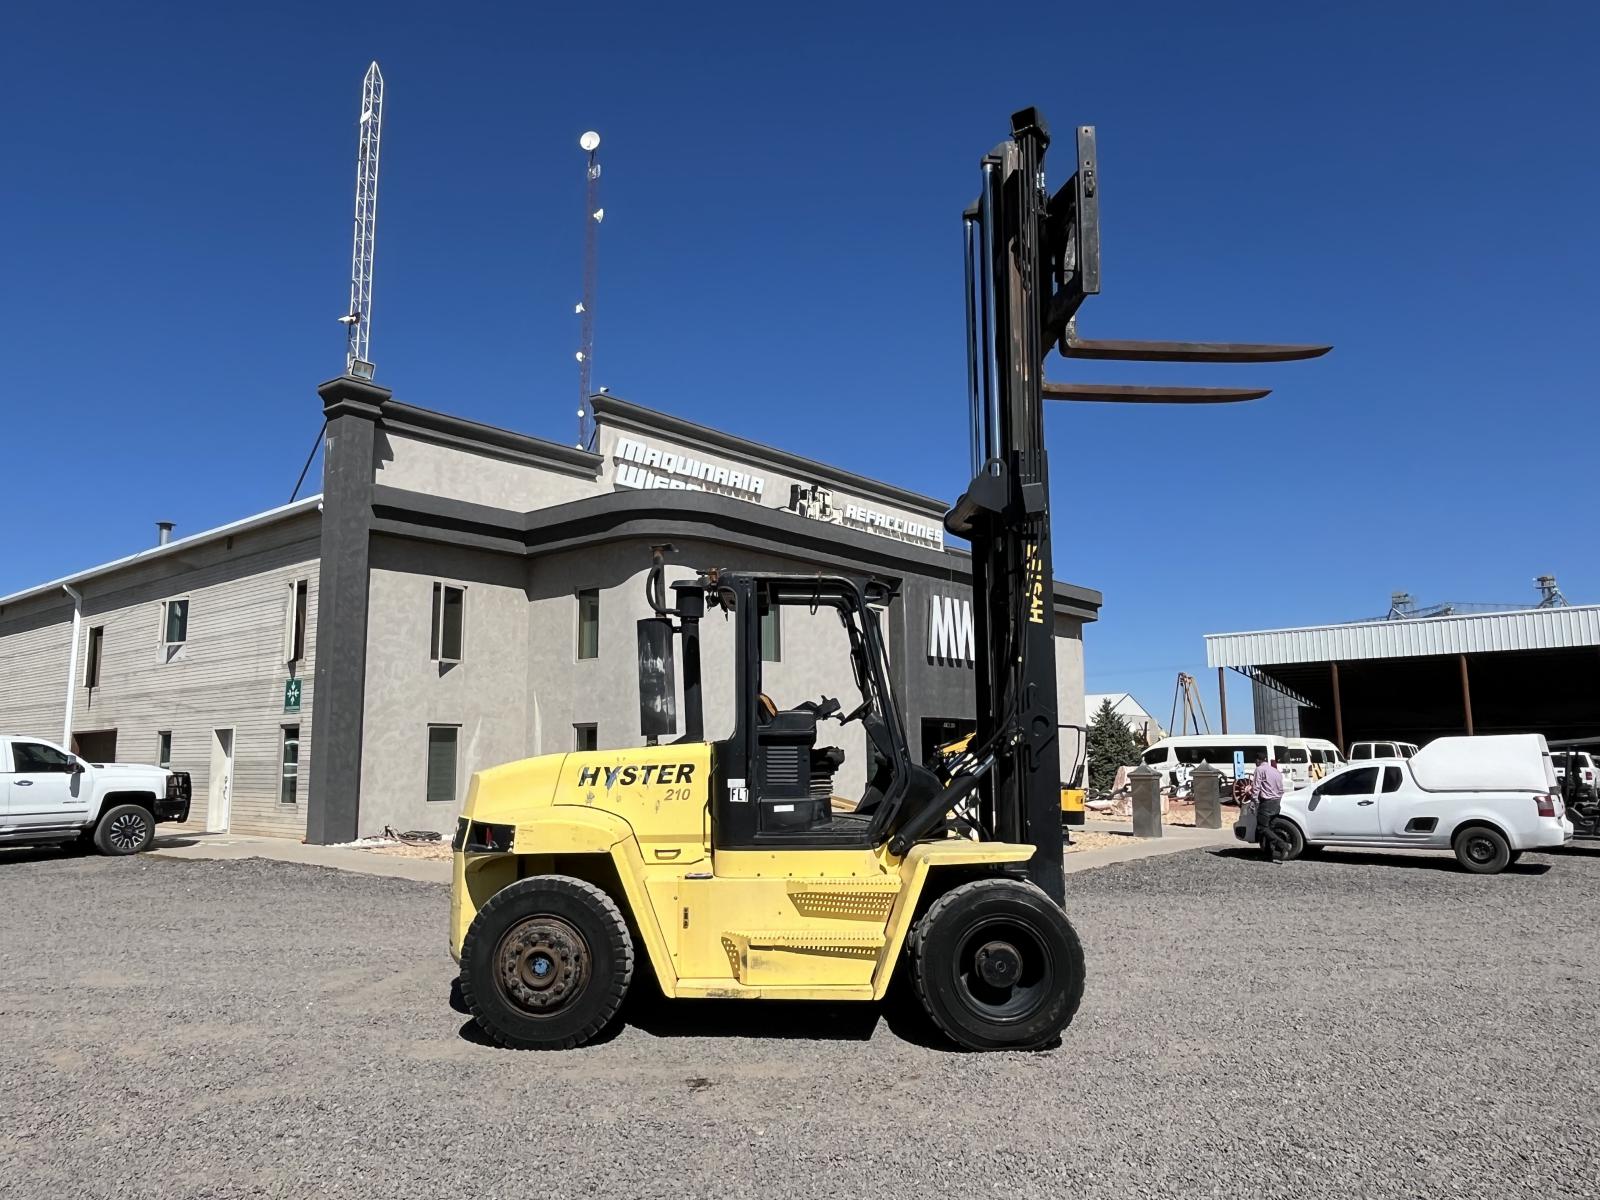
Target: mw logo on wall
x=950, y=639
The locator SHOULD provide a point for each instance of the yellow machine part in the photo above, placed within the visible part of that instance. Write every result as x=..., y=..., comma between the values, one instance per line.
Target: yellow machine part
x=794, y=924
x=1072, y=810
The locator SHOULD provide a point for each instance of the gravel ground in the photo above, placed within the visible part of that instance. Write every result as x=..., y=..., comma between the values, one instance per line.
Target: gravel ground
x=1361, y=1025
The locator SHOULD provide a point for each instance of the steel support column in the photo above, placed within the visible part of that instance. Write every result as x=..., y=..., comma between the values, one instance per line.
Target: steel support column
x=1466, y=693
x=1222, y=697
x=1338, y=711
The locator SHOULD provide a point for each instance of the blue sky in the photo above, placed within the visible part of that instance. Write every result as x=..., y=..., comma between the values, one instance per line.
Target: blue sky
x=780, y=257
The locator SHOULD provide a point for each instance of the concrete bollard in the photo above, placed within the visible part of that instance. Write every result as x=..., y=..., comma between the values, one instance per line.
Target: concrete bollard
x=1146, y=786
x=1205, y=787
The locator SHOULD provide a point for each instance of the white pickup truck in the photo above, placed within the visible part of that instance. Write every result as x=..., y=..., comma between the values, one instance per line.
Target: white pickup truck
x=48, y=795
x=1487, y=799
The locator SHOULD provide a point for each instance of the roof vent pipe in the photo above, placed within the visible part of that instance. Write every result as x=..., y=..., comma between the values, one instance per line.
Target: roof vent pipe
x=163, y=532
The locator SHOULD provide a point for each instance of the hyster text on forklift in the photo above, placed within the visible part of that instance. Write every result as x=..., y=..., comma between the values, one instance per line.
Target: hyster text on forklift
x=725, y=864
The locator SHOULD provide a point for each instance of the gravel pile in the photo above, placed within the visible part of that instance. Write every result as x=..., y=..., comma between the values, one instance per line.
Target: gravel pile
x=1361, y=1025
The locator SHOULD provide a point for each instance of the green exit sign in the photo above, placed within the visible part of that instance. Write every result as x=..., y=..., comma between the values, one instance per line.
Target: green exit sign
x=291, y=695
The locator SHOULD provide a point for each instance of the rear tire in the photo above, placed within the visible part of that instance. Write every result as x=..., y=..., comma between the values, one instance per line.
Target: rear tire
x=1481, y=850
x=1289, y=837
x=125, y=829
x=997, y=966
x=546, y=963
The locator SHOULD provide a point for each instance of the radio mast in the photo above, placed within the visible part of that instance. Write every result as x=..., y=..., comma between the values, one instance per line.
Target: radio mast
x=358, y=320
x=593, y=215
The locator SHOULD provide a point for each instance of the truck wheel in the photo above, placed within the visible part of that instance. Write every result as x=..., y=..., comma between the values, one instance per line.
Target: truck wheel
x=1289, y=837
x=1482, y=850
x=546, y=963
x=125, y=829
x=997, y=966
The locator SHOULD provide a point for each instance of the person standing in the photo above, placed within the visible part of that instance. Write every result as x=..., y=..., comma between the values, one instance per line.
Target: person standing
x=1269, y=797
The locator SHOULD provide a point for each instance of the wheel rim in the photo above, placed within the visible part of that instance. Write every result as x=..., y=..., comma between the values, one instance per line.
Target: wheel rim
x=1004, y=971
x=127, y=832
x=1480, y=849
x=541, y=965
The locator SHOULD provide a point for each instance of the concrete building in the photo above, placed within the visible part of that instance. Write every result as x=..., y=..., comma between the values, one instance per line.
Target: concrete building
x=461, y=595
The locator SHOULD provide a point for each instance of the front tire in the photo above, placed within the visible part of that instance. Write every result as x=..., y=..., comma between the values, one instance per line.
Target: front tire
x=997, y=966
x=125, y=829
x=1482, y=850
x=546, y=963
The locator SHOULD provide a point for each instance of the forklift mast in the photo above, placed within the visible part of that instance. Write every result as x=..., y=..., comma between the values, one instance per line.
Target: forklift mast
x=1031, y=261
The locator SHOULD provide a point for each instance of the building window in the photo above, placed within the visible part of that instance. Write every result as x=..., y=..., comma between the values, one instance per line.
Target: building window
x=771, y=633
x=91, y=668
x=448, y=605
x=589, y=623
x=289, y=766
x=585, y=737
x=175, y=622
x=442, y=763
x=295, y=641
x=164, y=749
x=882, y=614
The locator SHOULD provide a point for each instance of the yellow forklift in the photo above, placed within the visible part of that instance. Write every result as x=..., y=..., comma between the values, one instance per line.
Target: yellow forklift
x=721, y=868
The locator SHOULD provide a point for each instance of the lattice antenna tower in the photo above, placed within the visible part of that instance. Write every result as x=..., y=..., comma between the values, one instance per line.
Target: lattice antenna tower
x=593, y=214
x=358, y=320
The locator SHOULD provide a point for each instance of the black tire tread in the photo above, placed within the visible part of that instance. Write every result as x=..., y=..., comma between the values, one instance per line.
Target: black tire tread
x=102, y=829
x=607, y=1007
x=918, y=943
x=1297, y=840
x=1455, y=848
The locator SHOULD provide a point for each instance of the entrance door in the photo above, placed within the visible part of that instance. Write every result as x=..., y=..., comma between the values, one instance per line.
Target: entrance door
x=221, y=795
x=99, y=746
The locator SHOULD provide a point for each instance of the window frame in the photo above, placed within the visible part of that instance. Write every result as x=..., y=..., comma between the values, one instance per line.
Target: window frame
x=166, y=621
x=298, y=616
x=1327, y=789
x=441, y=599
x=62, y=768
x=455, y=765
x=92, y=656
x=772, y=613
x=579, y=728
x=164, y=749
x=577, y=640
x=284, y=763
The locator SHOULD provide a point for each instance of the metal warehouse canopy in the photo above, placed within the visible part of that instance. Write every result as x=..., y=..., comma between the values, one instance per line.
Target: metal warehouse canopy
x=1416, y=678
x=1416, y=637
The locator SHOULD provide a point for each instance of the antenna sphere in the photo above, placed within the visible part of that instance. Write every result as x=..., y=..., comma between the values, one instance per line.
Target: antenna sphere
x=590, y=141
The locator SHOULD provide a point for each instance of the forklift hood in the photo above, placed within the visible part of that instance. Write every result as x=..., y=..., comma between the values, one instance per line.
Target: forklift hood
x=504, y=795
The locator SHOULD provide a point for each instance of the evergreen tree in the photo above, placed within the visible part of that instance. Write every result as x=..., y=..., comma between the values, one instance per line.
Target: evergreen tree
x=1111, y=745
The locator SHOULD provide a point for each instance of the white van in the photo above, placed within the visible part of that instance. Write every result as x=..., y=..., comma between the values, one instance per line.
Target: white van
x=1325, y=757
x=1176, y=757
x=1360, y=751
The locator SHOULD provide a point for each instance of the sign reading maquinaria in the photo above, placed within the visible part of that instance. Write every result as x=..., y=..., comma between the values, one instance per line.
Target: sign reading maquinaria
x=641, y=465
